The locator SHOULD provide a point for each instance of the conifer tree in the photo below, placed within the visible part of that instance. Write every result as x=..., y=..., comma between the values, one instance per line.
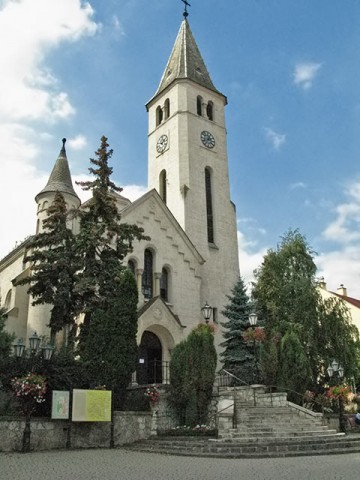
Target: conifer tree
x=238, y=355
x=192, y=375
x=109, y=350
x=102, y=240
x=54, y=263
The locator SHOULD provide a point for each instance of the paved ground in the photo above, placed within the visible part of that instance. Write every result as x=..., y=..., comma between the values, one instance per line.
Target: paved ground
x=127, y=465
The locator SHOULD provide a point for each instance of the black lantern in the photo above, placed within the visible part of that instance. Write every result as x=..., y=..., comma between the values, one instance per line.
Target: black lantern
x=206, y=311
x=34, y=342
x=19, y=348
x=47, y=351
x=253, y=319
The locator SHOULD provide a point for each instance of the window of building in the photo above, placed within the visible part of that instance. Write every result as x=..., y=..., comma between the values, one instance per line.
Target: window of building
x=167, y=108
x=164, y=284
x=147, y=277
x=162, y=185
x=209, y=206
x=210, y=110
x=159, y=116
x=8, y=300
x=132, y=266
x=199, y=102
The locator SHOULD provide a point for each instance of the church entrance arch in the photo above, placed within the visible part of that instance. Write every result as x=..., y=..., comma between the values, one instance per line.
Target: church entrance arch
x=150, y=359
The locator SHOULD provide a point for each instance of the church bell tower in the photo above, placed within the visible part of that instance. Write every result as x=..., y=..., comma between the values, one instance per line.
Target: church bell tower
x=187, y=161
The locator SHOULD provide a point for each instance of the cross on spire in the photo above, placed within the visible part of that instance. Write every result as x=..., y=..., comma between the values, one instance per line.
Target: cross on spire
x=186, y=4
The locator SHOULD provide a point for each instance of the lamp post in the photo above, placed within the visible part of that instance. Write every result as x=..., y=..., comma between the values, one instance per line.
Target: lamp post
x=253, y=322
x=207, y=311
x=20, y=351
x=336, y=368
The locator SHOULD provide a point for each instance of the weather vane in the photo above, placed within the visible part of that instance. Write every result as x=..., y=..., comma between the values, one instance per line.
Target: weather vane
x=186, y=4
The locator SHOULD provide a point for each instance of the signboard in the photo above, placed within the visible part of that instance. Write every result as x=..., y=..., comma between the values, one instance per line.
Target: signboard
x=60, y=405
x=91, y=406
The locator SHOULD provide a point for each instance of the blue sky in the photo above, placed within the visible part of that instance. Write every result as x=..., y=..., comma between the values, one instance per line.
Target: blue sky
x=290, y=70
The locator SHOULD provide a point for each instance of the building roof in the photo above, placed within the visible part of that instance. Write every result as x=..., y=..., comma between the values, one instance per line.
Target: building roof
x=185, y=62
x=60, y=177
x=352, y=301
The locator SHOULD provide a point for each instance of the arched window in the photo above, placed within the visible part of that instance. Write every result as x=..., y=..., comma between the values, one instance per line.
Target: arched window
x=159, y=116
x=131, y=266
x=8, y=300
x=162, y=185
x=209, y=206
x=147, y=277
x=199, y=101
x=37, y=226
x=210, y=110
x=167, y=108
x=164, y=284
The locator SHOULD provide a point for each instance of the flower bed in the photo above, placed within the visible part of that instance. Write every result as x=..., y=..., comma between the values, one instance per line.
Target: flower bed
x=185, y=431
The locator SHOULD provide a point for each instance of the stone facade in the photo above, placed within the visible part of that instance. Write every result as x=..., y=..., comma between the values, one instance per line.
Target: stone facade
x=49, y=434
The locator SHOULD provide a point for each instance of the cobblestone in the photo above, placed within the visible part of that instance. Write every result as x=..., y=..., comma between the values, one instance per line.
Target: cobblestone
x=121, y=464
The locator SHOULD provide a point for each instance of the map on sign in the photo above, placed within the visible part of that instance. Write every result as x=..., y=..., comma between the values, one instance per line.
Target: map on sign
x=60, y=405
x=91, y=406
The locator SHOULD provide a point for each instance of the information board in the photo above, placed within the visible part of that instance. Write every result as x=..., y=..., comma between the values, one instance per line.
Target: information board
x=91, y=406
x=60, y=405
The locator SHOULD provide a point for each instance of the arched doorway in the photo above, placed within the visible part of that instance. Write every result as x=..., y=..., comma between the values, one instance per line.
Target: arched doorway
x=150, y=359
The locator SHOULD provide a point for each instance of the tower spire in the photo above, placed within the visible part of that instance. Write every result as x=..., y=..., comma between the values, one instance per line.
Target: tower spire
x=186, y=4
x=60, y=177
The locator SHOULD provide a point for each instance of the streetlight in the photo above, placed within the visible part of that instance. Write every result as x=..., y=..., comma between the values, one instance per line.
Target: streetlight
x=336, y=368
x=20, y=351
x=253, y=322
x=206, y=311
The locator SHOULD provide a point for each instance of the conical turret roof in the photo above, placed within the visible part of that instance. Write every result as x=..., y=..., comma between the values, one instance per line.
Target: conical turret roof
x=185, y=62
x=60, y=177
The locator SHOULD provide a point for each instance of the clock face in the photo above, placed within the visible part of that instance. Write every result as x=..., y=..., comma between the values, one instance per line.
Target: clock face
x=207, y=139
x=162, y=143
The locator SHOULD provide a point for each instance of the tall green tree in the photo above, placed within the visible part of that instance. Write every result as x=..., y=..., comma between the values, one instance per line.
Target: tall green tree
x=192, y=375
x=238, y=355
x=6, y=339
x=303, y=328
x=102, y=241
x=54, y=264
x=109, y=350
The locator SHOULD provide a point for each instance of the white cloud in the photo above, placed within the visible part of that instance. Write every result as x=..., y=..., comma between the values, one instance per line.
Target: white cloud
x=341, y=267
x=30, y=30
x=77, y=143
x=250, y=258
x=345, y=229
x=297, y=185
x=305, y=73
x=276, y=139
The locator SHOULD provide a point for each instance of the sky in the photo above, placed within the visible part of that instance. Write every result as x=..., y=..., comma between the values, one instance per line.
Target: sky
x=290, y=70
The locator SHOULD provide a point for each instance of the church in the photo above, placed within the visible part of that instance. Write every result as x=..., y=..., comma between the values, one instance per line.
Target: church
x=191, y=259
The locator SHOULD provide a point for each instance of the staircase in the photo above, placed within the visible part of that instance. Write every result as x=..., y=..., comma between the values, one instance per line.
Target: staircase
x=262, y=430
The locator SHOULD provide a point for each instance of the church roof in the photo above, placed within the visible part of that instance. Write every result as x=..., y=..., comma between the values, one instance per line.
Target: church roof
x=185, y=62
x=60, y=177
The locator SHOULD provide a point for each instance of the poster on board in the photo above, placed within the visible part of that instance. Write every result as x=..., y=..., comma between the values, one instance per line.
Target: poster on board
x=60, y=405
x=91, y=406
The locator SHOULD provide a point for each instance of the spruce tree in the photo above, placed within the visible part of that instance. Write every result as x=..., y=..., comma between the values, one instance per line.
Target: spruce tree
x=53, y=267
x=102, y=240
x=238, y=355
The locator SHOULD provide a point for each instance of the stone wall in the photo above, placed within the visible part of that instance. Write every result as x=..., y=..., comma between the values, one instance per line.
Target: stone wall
x=47, y=434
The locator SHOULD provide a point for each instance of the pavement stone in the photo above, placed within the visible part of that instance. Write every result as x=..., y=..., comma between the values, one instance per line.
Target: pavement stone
x=120, y=464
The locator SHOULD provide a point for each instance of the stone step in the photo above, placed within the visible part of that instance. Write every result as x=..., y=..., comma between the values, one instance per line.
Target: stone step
x=279, y=434
x=234, y=449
